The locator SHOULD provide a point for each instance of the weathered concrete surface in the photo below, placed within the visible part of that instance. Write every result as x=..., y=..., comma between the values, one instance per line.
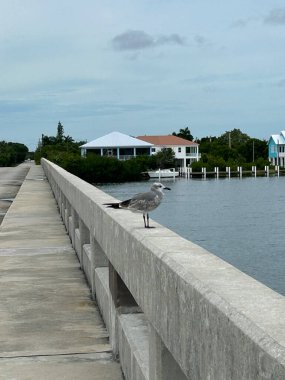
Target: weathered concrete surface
x=134, y=345
x=60, y=367
x=11, y=178
x=49, y=326
x=215, y=321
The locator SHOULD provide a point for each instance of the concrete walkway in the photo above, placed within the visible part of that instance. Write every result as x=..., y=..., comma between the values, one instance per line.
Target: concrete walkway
x=11, y=179
x=49, y=326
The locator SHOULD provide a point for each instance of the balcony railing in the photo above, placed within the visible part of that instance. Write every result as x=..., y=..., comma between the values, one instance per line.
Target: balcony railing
x=193, y=155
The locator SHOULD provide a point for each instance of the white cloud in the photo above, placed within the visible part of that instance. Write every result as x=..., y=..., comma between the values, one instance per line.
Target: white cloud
x=276, y=17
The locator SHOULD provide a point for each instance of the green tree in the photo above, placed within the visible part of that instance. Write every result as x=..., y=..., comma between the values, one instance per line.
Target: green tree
x=12, y=153
x=68, y=139
x=165, y=158
x=48, y=140
x=232, y=148
x=54, y=147
x=184, y=133
x=60, y=133
x=254, y=149
x=233, y=138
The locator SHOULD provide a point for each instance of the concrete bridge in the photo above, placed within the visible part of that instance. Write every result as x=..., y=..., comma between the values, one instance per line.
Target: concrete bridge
x=49, y=326
x=172, y=310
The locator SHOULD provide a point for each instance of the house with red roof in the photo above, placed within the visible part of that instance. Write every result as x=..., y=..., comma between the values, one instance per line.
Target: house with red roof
x=186, y=152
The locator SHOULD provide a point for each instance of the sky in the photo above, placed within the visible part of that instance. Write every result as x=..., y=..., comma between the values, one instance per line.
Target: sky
x=141, y=67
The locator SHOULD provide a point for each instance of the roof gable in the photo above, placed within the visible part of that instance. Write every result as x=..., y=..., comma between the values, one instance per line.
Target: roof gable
x=278, y=139
x=116, y=139
x=167, y=140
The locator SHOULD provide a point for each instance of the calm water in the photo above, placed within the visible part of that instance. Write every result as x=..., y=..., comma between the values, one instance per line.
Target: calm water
x=240, y=220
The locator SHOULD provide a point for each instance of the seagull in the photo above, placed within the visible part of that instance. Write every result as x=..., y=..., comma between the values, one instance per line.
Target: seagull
x=143, y=202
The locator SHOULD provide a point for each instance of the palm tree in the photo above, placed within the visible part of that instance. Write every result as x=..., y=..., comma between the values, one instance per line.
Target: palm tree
x=185, y=133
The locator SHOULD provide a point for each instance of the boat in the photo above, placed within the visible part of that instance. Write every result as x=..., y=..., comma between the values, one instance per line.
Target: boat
x=163, y=173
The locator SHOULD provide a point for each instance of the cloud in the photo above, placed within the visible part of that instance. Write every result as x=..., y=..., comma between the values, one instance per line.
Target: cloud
x=281, y=83
x=172, y=39
x=276, y=17
x=240, y=23
x=200, y=40
x=138, y=40
x=244, y=22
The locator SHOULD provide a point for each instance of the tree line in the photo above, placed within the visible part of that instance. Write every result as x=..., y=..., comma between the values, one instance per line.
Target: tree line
x=65, y=152
x=233, y=148
x=12, y=154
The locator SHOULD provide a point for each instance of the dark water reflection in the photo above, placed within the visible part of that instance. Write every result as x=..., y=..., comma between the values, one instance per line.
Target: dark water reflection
x=240, y=220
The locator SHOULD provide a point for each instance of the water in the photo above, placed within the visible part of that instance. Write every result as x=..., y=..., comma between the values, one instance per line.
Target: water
x=240, y=220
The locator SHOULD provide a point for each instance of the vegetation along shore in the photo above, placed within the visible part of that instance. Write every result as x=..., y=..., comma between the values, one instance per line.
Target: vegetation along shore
x=231, y=149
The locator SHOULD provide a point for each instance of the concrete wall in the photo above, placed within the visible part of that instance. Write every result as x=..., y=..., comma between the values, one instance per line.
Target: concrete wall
x=173, y=310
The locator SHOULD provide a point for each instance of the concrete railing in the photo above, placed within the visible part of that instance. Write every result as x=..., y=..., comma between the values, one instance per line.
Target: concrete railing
x=173, y=310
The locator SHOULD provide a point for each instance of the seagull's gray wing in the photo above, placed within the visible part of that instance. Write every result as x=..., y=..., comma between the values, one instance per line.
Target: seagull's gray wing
x=142, y=202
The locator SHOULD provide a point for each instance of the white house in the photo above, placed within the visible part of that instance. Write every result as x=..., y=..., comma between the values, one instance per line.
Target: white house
x=186, y=152
x=116, y=144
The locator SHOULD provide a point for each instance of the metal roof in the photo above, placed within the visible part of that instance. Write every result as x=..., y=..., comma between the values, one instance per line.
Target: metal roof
x=116, y=140
x=279, y=139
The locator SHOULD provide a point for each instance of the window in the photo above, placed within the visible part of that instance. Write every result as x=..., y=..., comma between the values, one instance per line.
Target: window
x=96, y=152
x=142, y=151
x=126, y=151
x=153, y=150
x=191, y=150
x=179, y=150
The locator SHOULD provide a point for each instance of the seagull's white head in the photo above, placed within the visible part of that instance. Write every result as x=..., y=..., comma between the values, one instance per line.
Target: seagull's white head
x=157, y=186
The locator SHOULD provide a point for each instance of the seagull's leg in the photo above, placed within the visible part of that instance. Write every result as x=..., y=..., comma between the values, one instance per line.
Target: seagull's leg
x=146, y=222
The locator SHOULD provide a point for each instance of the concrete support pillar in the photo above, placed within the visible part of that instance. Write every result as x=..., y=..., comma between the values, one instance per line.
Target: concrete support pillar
x=98, y=259
x=162, y=365
x=73, y=224
x=67, y=212
x=55, y=189
x=84, y=238
x=60, y=202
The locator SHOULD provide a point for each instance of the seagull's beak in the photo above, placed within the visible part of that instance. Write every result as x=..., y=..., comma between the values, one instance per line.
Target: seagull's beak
x=166, y=188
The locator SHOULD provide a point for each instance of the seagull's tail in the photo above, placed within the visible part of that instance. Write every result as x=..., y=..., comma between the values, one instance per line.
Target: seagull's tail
x=113, y=205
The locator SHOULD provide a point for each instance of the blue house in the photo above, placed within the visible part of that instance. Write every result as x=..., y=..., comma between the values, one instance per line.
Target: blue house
x=276, y=149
